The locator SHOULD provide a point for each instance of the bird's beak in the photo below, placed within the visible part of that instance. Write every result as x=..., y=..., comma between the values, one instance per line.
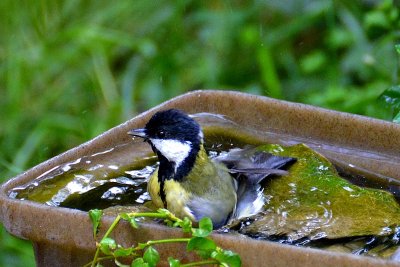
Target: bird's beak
x=138, y=132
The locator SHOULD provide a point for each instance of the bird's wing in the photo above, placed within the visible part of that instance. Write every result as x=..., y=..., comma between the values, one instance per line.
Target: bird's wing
x=251, y=167
x=216, y=209
x=250, y=161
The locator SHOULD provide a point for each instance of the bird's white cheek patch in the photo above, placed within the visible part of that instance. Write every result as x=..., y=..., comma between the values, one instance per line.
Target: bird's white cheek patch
x=175, y=151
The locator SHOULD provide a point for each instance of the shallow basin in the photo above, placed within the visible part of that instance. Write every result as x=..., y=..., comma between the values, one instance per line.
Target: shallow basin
x=63, y=237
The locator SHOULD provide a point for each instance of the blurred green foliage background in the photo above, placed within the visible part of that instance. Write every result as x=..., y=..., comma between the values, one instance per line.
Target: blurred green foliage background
x=70, y=70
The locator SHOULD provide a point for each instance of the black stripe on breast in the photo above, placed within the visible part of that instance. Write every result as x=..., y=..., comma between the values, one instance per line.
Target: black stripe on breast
x=162, y=193
x=165, y=172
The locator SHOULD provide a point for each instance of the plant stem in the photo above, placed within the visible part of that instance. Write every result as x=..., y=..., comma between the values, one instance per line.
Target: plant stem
x=98, y=259
x=161, y=241
x=149, y=215
x=148, y=243
x=198, y=263
x=96, y=255
x=112, y=226
x=115, y=222
x=154, y=215
x=139, y=214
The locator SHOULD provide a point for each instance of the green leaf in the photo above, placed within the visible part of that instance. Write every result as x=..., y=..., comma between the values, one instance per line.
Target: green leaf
x=151, y=256
x=168, y=215
x=95, y=216
x=107, y=244
x=186, y=225
x=132, y=220
x=125, y=216
x=170, y=223
x=173, y=262
x=313, y=62
x=227, y=258
x=376, y=18
x=391, y=97
x=133, y=223
x=203, y=246
x=396, y=118
x=205, y=228
x=141, y=245
x=123, y=252
x=139, y=262
x=397, y=47
x=200, y=243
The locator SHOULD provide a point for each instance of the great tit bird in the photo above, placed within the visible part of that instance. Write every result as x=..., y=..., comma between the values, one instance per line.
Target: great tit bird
x=187, y=182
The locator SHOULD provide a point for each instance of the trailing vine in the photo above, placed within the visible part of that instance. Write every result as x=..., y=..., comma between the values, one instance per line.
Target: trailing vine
x=145, y=255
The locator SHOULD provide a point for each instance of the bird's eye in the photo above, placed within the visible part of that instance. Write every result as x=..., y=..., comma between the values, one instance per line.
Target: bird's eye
x=161, y=134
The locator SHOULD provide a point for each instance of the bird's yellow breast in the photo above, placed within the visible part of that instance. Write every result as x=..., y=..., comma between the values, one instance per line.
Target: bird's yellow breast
x=176, y=196
x=153, y=187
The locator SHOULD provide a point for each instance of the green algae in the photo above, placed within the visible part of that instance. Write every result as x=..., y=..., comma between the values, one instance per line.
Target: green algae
x=314, y=202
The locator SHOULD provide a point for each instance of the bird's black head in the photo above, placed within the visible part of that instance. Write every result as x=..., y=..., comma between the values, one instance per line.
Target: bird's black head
x=175, y=138
x=173, y=124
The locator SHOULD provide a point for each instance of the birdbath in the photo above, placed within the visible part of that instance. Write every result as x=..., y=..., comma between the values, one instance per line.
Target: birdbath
x=63, y=236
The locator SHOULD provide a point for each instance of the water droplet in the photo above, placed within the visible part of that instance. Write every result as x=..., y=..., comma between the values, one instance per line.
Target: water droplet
x=323, y=168
x=143, y=198
x=113, y=167
x=348, y=188
x=112, y=193
x=66, y=168
x=103, y=152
